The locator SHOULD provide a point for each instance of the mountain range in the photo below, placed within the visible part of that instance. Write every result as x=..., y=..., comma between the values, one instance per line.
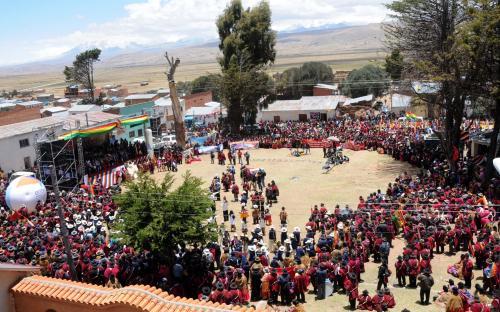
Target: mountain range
x=326, y=41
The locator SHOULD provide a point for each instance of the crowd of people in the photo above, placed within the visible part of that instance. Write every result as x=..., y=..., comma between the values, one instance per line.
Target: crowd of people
x=437, y=211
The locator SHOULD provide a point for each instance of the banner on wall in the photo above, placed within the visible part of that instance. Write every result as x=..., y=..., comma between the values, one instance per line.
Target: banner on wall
x=199, y=140
x=244, y=145
x=208, y=149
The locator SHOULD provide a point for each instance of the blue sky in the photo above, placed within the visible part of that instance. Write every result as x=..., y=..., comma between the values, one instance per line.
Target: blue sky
x=32, y=30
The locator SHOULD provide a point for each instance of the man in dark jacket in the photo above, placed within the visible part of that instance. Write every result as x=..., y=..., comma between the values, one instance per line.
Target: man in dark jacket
x=425, y=282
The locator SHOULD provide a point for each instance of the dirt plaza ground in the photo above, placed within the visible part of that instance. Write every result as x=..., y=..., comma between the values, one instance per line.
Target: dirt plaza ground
x=303, y=184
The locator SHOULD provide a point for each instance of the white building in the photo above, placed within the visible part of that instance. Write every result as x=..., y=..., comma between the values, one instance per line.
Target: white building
x=308, y=107
x=400, y=102
x=207, y=114
x=85, y=108
x=17, y=141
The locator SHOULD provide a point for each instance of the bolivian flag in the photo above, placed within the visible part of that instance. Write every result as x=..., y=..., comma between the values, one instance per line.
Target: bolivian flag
x=89, y=132
x=411, y=116
x=134, y=120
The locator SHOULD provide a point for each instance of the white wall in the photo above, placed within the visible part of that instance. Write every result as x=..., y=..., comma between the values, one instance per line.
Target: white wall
x=291, y=115
x=12, y=155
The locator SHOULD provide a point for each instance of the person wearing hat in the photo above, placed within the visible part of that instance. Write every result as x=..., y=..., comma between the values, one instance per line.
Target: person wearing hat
x=256, y=273
x=351, y=287
x=389, y=298
x=205, y=293
x=217, y=295
x=284, y=288
x=413, y=271
x=320, y=277
x=300, y=281
x=425, y=282
x=365, y=301
x=383, y=275
x=378, y=301
x=401, y=268
x=284, y=235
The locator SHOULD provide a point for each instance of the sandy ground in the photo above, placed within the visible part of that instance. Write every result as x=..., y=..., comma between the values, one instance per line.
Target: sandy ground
x=302, y=184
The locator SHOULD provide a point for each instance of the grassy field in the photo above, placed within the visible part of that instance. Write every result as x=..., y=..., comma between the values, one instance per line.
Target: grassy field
x=131, y=76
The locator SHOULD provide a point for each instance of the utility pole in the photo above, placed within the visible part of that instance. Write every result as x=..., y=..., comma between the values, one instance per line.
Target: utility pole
x=180, y=134
x=64, y=229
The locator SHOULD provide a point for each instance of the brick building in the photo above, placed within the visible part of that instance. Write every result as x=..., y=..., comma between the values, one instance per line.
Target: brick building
x=198, y=99
x=19, y=113
x=141, y=98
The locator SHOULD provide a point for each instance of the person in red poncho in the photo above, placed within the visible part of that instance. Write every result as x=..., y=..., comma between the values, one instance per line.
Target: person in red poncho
x=301, y=281
x=351, y=287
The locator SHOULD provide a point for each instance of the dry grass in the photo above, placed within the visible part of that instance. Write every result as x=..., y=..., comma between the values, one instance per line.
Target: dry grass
x=131, y=76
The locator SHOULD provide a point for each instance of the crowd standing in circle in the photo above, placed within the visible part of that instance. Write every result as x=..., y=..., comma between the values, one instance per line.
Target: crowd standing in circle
x=434, y=212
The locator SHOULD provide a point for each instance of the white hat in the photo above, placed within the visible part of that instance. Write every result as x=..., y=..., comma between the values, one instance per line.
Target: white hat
x=331, y=234
x=99, y=223
x=283, y=230
x=282, y=248
x=308, y=227
x=287, y=241
x=251, y=248
x=255, y=206
x=340, y=225
x=69, y=226
x=296, y=229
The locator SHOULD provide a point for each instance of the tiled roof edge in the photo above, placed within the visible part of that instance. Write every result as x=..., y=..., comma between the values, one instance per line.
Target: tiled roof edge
x=115, y=292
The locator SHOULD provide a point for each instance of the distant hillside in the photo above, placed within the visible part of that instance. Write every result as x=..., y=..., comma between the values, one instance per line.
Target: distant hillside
x=323, y=42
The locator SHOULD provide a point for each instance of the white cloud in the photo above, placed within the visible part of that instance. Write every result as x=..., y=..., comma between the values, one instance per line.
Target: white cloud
x=168, y=21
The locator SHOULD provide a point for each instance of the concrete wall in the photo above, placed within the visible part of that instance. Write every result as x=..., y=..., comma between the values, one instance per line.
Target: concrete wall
x=291, y=115
x=29, y=303
x=7, y=280
x=19, y=114
x=14, y=158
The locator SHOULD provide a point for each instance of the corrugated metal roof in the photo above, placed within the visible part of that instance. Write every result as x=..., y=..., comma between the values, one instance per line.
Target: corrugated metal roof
x=69, y=122
x=82, y=108
x=30, y=103
x=144, y=96
x=366, y=98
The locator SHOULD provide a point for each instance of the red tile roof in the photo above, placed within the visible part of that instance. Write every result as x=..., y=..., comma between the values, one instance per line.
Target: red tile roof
x=146, y=298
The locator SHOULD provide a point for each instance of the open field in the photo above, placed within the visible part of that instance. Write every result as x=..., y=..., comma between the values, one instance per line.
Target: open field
x=131, y=76
x=343, y=48
x=302, y=184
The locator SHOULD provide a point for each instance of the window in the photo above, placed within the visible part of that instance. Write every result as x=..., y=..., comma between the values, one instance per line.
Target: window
x=302, y=117
x=276, y=118
x=131, y=134
x=27, y=162
x=139, y=132
x=24, y=143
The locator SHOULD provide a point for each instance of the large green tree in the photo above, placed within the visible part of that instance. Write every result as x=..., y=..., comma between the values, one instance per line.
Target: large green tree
x=296, y=82
x=478, y=43
x=247, y=45
x=448, y=43
x=82, y=71
x=156, y=217
x=208, y=82
x=425, y=32
x=394, y=64
x=369, y=79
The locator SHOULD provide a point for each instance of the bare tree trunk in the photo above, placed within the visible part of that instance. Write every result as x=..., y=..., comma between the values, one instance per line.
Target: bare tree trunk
x=180, y=133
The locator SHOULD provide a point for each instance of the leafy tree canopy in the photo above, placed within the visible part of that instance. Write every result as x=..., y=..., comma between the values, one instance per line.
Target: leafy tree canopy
x=369, y=79
x=158, y=218
x=208, y=82
x=394, y=64
x=247, y=45
x=296, y=82
x=82, y=71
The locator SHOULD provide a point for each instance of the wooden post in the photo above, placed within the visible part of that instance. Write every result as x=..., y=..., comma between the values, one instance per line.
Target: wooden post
x=180, y=133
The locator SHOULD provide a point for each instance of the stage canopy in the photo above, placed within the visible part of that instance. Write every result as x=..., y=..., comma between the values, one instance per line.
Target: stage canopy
x=103, y=129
